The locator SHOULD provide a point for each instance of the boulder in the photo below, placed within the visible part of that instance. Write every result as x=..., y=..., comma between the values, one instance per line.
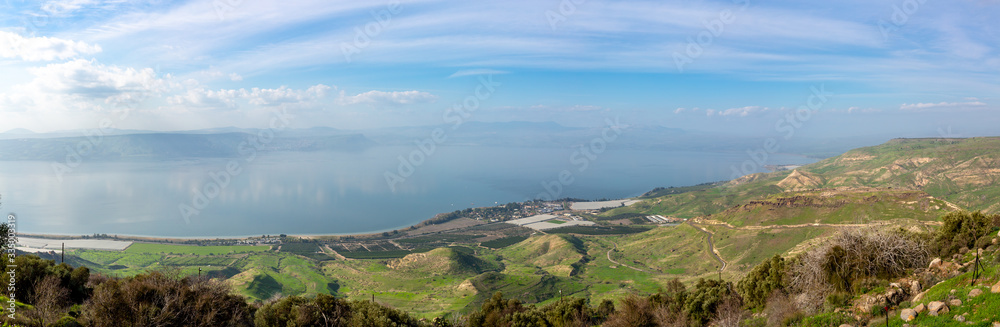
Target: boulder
x=996, y=324
x=920, y=308
x=894, y=295
x=919, y=296
x=937, y=307
x=845, y=325
x=955, y=303
x=995, y=288
x=908, y=315
x=959, y=318
x=935, y=263
x=914, y=287
x=975, y=292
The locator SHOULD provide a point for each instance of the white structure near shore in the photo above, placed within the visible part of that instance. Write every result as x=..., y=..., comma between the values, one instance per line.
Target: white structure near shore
x=28, y=244
x=544, y=222
x=597, y=205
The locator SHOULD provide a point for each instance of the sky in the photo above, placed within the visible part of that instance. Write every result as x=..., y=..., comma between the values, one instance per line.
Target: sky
x=913, y=68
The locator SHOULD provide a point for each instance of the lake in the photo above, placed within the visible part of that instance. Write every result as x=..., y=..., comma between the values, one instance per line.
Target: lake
x=331, y=192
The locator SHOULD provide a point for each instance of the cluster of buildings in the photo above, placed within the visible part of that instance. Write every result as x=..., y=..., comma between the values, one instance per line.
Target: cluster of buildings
x=260, y=240
x=658, y=219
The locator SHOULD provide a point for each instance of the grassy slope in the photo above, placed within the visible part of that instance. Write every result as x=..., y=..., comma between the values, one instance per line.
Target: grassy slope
x=962, y=171
x=538, y=268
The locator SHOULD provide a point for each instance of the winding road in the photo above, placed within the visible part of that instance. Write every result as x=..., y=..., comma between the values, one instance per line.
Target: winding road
x=711, y=246
x=619, y=263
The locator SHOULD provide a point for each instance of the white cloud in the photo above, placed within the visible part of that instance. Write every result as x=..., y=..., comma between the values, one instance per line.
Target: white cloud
x=471, y=72
x=926, y=106
x=235, y=77
x=232, y=98
x=741, y=112
x=395, y=97
x=63, y=7
x=88, y=79
x=42, y=48
x=281, y=95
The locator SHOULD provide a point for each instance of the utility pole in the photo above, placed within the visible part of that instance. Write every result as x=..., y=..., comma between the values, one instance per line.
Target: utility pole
x=62, y=258
x=975, y=270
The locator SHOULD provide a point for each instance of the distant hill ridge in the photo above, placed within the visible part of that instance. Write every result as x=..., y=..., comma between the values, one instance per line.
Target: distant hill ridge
x=963, y=172
x=174, y=145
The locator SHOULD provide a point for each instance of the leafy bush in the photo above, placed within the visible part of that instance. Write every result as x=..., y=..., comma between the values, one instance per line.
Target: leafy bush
x=156, y=299
x=763, y=279
x=963, y=229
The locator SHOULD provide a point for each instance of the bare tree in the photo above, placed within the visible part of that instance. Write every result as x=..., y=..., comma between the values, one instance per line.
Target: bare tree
x=730, y=312
x=49, y=300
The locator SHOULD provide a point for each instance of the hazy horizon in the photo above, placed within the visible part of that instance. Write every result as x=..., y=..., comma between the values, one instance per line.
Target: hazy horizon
x=735, y=67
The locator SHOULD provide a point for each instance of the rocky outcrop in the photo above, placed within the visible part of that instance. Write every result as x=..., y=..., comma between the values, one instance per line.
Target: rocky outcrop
x=908, y=315
x=936, y=308
x=799, y=180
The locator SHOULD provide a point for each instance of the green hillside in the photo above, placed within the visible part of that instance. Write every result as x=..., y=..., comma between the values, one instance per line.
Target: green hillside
x=733, y=225
x=963, y=172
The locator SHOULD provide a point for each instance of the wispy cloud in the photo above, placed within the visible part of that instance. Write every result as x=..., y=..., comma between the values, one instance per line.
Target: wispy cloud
x=481, y=71
x=928, y=106
x=42, y=48
x=390, y=98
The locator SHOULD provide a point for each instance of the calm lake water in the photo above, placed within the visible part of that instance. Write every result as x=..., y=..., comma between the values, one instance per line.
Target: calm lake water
x=330, y=192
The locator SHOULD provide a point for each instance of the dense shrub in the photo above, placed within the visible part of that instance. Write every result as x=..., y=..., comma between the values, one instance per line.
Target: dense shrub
x=852, y=256
x=676, y=306
x=496, y=311
x=31, y=270
x=156, y=299
x=964, y=229
x=763, y=279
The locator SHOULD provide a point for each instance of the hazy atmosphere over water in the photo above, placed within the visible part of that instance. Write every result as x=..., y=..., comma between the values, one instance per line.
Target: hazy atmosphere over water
x=447, y=163
x=343, y=117
x=330, y=192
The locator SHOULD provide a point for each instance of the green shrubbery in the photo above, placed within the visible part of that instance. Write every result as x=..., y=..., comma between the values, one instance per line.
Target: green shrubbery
x=767, y=277
x=963, y=229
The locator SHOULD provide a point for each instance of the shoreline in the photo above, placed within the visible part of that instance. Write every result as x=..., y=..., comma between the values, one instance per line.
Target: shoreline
x=178, y=239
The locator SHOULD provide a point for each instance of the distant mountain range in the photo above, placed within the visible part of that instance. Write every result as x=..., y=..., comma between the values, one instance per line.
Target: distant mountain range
x=158, y=146
x=22, y=144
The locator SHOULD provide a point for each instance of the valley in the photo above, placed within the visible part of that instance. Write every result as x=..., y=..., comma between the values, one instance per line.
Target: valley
x=452, y=264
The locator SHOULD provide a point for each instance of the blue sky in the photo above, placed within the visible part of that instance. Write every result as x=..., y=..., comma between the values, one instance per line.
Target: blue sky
x=907, y=67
